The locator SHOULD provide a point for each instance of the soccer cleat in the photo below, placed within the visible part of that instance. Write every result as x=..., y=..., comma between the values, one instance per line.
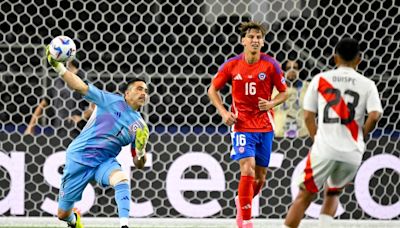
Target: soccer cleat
x=124, y=227
x=239, y=218
x=247, y=224
x=78, y=223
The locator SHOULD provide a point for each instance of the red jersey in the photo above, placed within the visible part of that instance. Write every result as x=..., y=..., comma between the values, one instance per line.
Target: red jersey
x=249, y=82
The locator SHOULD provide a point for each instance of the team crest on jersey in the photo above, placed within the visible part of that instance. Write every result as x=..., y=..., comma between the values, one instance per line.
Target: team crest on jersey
x=262, y=76
x=283, y=80
x=134, y=127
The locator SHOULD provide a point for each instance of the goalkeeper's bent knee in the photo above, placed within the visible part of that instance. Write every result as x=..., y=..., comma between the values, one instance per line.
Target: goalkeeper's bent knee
x=118, y=177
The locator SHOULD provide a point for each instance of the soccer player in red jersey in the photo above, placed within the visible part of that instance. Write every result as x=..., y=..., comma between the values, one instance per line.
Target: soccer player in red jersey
x=253, y=76
x=341, y=97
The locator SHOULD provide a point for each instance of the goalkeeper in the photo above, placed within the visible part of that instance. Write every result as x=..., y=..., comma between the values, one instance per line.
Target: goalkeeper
x=115, y=122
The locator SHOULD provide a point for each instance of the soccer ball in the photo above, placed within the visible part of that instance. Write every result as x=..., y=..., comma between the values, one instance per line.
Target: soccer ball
x=62, y=49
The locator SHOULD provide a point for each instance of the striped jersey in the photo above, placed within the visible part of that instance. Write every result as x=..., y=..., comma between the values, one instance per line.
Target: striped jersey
x=249, y=82
x=341, y=97
x=112, y=125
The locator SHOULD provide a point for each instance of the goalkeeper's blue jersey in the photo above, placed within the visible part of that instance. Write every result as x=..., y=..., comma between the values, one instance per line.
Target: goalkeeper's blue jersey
x=112, y=125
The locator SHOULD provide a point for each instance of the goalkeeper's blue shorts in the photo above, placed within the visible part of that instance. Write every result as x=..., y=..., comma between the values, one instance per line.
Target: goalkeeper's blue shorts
x=252, y=144
x=76, y=176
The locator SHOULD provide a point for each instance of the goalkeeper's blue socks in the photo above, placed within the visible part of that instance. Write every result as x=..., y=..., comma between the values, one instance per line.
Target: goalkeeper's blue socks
x=123, y=199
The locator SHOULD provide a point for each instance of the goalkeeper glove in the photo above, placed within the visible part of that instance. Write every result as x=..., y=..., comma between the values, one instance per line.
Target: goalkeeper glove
x=57, y=66
x=142, y=135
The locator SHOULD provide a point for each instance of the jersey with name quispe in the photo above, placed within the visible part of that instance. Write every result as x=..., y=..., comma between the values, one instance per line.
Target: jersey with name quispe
x=341, y=97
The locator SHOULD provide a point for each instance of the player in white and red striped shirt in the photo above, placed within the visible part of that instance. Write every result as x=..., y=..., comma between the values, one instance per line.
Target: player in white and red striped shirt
x=340, y=97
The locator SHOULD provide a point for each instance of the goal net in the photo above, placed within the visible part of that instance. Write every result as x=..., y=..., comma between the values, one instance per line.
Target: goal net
x=177, y=46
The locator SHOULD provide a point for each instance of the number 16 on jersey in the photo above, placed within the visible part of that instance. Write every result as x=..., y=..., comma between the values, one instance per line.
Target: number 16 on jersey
x=250, y=88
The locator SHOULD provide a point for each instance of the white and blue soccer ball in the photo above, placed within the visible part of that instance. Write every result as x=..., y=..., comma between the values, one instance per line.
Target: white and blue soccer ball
x=62, y=49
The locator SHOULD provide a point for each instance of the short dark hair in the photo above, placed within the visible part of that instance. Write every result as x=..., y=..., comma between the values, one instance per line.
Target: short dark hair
x=131, y=81
x=348, y=49
x=299, y=63
x=246, y=26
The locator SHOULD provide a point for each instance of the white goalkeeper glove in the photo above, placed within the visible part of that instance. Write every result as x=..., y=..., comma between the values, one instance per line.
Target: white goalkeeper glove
x=142, y=135
x=57, y=66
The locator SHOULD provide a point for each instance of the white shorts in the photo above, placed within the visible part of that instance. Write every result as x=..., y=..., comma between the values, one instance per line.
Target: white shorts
x=318, y=171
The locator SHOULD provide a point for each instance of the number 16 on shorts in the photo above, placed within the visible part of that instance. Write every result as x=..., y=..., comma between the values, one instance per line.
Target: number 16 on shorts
x=238, y=143
x=240, y=139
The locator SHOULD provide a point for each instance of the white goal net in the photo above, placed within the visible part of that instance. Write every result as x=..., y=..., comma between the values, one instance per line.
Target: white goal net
x=177, y=46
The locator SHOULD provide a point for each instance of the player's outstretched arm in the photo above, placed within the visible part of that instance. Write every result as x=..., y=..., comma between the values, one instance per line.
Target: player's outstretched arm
x=71, y=79
x=371, y=122
x=75, y=82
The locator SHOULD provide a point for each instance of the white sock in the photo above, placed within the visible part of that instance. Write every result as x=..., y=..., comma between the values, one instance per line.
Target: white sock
x=325, y=220
x=123, y=221
x=284, y=226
